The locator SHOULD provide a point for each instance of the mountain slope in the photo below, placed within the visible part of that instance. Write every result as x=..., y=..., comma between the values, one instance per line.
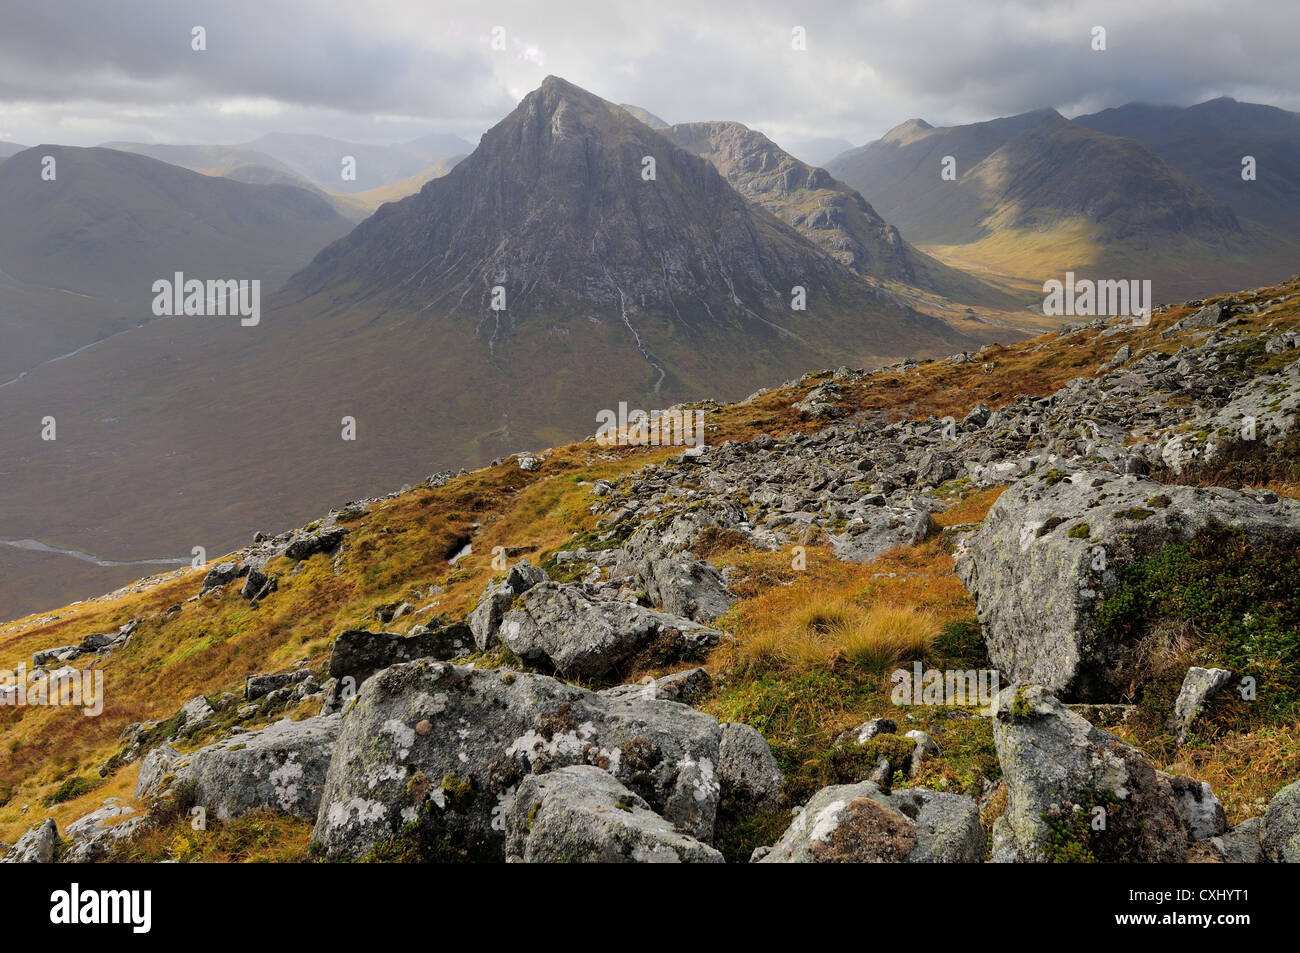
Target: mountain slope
x=822, y=209
x=319, y=158
x=1207, y=143
x=78, y=254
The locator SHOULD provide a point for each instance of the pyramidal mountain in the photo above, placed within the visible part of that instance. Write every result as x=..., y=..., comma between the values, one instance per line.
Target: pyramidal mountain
x=574, y=217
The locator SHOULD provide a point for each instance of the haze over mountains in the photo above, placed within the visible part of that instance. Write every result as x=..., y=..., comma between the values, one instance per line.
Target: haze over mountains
x=616, y=287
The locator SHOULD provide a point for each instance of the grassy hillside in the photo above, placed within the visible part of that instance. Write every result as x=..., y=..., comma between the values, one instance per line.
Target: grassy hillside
x=799, y=669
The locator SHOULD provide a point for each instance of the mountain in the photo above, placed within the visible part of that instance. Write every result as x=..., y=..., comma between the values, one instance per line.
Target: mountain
x=208, y=159
x=819, y=151
x=616, y=289
x=1207, y=143
x=319, y=159
x=79, y=254
x=899, y=173
x=822, y=209
x=1036, y=195
x=10, y=148
x=645, y=116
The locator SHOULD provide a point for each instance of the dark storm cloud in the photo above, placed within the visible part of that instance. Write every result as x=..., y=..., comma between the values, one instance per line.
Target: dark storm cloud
x=87, y=70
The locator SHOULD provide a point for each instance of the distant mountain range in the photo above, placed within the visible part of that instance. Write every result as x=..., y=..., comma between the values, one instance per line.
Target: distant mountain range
x=78, y=254
x=1139, y=189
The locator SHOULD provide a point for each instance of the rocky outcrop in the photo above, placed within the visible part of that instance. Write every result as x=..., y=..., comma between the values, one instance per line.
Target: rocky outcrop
x=444, y=748
x=1280, y=833
x=37, y=846
x=565, y=629
x=358, y=654
x=279, y=768
x=93, y=835
x=1075, y=792
x=750, y=777
x=688, y=687
x=485, y=620
x=858, y=823
x=1198, y=685
x=581, y=814
x=1051, y=549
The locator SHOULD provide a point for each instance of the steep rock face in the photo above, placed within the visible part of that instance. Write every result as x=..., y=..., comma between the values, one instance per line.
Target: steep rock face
x=1052, y=548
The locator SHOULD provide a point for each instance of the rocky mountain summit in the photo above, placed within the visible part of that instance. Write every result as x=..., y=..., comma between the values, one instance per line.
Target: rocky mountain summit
x=586, y=653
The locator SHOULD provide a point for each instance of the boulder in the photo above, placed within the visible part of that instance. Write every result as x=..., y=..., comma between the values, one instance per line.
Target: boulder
x=220, y=574
x=1075, y=792
x=1280, y=833
x=859, y=823
x=443, y=748
x=673, y=579
x=279, y=768
x=879, y=530
x=359, y=654
x=1198, y=685
x=1241, y=845
x=1202, y=814
x=36, y=846
x=1051, y=549
x=581, y=814
x=92, y=835
x=306, y=545
x=750, y=778
x=688, y=687
x=564, y=628
x=485, y=619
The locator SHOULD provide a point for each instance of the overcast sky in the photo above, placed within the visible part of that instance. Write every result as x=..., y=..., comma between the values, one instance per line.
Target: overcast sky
x=81, y=72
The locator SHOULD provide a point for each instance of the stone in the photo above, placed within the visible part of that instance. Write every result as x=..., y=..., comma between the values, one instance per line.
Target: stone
x=1059, y=771
x=565, y=629
x=443, y=748
x=581, y=814
x=1280, y=834
x=750, y=778
x=278, y=768
x=1198, y=685
x=359, y=654
x=485, y=620
x=688, y=687
x=859, y=823
x=1052, y=549
x=34, y=847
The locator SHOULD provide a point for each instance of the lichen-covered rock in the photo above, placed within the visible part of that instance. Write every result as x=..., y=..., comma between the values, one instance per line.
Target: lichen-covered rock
x=1281, y=831
x=562, y=627
x=1198, y=685
x=747, y=770
x=1241, y=845
x=279, y=768
x=34, y=847
x=91, y=835
x=1051, y=549
x=673, y=579
x=878, y=530
x=858, y=823
x=688, y=687
x=1075, y=792
x=1265, y=408
x=581, y=814
x=442, y=748
x=485, y=619
x=1202, y=814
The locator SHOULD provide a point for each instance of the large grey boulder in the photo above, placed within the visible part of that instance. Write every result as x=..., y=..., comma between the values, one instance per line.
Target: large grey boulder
x=561, y=626
x=279, y=768
x=36, y=846
x=688, y=687
x=444, y=747
x=581, y=814
x=1241, y=845
x=1281, y=830
x=359, y=654
x=1076, y=792
x=1203, y=816
x=858, y=823
x=485, y=619
x=747, y=770
x=878, y=530
x=1051, y=550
